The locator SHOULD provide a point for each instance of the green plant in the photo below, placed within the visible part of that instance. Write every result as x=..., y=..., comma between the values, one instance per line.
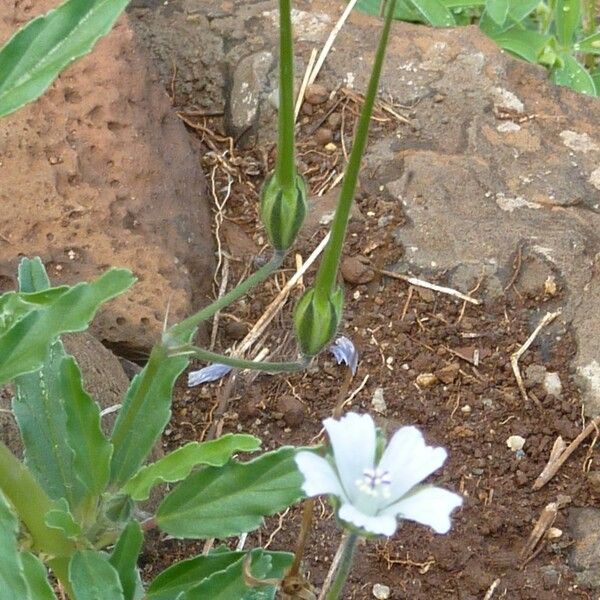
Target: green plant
x=562, y=35
x=72, y=505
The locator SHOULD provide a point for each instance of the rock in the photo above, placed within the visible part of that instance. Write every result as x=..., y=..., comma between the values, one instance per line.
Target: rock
x=323, y=136
x=381, y=592
x=553, y=385
x=426, y=380
x=248, y=82
x=593, y=478
x=378, y=401
x=584, y=558
x=292, y=410
x=316, y=94
x=106, y=179
x=448, y=373
x=320, y=212
x=535, y=374
x=357, y=270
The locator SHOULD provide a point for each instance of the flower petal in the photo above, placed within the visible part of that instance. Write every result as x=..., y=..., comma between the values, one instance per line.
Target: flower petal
x=353, y=443
x=208, y=374
x=379, y=525
x=428, y=505
x=409, y=461
x=345, y=352
x=319, y=475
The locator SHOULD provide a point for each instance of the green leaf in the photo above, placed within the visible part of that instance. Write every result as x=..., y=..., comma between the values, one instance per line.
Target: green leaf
x=589, y=45
x=567, y=15
x=61, y=518
x=595, y=75
x=24, y=346
x=230, y=584
x=220, y=575
x=37, y=577
x=463, y=3
x=229, y=500
x=32, y=275
x=573, y=74
x=92, y=577
x=522, y=42
x=12, y=576
x=519, y=9
x=124, y=559
x=178, y=464
x=497, y=10
x=91, y=462
x=434, y=12
x=145, y=412
x=35, y=55
x=403, y=11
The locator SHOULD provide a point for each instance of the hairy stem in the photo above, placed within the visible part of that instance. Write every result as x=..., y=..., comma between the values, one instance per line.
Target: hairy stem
x=332, y=589
x=239, y=363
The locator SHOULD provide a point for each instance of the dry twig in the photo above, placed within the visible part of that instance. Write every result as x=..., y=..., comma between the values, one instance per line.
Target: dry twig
x=545, y=520
x=515, y=356
x=491, y=589
x=559, y=454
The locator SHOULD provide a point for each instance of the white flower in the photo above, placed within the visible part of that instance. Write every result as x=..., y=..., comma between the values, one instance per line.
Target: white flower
x=373, y=495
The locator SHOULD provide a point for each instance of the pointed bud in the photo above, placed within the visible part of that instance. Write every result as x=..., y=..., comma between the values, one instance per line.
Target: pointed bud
x=316, y=321
x=282, y=211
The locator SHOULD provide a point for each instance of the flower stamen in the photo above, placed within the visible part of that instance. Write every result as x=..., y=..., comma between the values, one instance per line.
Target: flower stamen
x=375, y=482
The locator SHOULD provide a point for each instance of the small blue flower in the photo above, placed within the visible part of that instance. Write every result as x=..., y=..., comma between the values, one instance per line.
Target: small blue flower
x=345, y=352
x=207, y=374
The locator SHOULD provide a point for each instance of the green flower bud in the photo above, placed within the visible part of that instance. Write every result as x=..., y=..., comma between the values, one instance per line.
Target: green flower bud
x=282, y=212
x=316, y=321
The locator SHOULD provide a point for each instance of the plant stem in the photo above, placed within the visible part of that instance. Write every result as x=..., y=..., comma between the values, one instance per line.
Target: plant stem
x=186, y=327
x=333, y=590
x=327, y=273
x=285, y=168
x=239, y=363
x=589, y=27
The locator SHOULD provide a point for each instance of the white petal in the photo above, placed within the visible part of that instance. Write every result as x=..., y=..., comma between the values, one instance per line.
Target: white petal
x=319, y=476
x=379, y=525
x=353, y=442
x=429, y=506
x=409, y=461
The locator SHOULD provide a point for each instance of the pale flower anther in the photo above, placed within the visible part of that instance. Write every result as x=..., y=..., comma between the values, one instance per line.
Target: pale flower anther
x=374, y=494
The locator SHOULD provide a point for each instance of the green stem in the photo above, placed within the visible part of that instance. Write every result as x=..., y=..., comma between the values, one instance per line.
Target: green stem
x=31, y=504
x=589, y=27
x=327, y=273
x=285, y=168
x=343, y=570
x=238, y=363
x=186, y=327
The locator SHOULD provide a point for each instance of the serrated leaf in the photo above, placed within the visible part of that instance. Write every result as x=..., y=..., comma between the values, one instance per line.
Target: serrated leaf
x=497, y=10
x=92, y=577
x=35, y=55
x=24, y=346
x=177, y=465
x=231, y=583
x=124, y=559
x=145, y=412
x=434, y=12
x=62, y=519
x=574, y=75
x=229, y=500
x=567, y=17
x=522, y=42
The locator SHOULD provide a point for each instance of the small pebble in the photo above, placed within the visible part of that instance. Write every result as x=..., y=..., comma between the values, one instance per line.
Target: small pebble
x=334, y=120
x=316, y=94
x=381, y=592
x=356, y=270
x=515, y=442
x=323, y=136
x=553, y=385
x=378, y=402
x=331, y=147
x=426, y=380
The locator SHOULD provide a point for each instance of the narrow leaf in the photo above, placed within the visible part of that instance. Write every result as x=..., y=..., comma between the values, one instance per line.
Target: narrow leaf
x=589, y=45
x=519, y=9
x=36, y=54
x=229, y=500
x=178, y=464
x=124, y=559
x=91, y=462
x=145, y=412
x=24, y=346
x=92, y=577
x=434, y=12
x=567, y=19
x=573, y=74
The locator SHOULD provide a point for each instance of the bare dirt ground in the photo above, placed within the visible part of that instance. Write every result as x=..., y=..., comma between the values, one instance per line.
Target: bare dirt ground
x=470, y=405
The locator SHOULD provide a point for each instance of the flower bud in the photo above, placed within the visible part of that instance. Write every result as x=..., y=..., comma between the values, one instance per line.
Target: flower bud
x=316, y=321
x=282, y=211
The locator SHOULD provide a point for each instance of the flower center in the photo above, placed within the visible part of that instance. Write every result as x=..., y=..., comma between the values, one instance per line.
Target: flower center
x=375, y=483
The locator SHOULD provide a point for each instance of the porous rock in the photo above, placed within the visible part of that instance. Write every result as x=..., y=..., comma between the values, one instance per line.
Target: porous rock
x=99, y=172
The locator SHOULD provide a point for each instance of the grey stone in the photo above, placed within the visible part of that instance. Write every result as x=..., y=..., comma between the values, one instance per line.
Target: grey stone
x=584, y=558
